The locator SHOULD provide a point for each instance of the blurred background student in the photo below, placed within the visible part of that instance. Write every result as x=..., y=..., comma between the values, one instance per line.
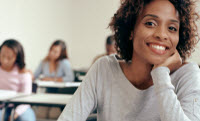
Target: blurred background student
x=56, y=66
x=14, y=76
x=110, y=47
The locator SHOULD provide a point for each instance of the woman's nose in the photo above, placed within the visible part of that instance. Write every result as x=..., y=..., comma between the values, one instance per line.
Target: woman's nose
x=161, y=33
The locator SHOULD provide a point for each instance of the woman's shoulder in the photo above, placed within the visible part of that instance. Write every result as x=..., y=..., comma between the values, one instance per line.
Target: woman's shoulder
x=107, y=59
x=43, y=62
x=25, y=72
x=64, y=62
x=108, y=62
x=25, y=76
x=188, y=67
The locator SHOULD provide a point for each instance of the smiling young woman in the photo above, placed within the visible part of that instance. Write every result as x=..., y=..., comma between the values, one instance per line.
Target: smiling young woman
x=152, y=82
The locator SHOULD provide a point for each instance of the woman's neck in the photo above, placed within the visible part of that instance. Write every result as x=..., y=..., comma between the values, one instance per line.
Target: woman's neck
x=138, y=73
x=8, y=69
x=52, y=61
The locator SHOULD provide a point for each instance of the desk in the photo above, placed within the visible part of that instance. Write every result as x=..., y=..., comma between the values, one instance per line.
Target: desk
x=56, y=84
x=6, y=95
x=79, y=75
x=56, y=100
x=56, y=87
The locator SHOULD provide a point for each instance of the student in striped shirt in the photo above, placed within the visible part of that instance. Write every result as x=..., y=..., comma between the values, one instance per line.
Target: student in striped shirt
x=14, y=76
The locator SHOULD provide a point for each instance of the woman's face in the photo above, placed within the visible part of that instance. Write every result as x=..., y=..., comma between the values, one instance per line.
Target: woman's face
x=7, y=57
x=156, y=33
x=55, y=52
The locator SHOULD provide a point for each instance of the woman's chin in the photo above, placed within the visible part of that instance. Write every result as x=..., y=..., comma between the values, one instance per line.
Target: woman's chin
x=157, y=61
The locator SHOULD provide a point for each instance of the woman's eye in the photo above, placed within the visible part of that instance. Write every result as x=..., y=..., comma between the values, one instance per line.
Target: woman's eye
x=150, y=24
x=172, y=28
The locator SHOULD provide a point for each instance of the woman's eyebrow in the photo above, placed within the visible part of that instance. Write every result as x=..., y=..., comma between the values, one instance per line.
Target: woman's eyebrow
x=151, y=15
x=176, y=21
x=154, y=16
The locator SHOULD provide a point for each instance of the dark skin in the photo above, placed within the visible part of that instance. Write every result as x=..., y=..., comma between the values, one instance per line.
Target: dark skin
x=173, y=63
x=155, y=38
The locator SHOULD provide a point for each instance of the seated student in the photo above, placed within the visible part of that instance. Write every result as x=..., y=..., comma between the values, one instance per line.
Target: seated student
x=14, y=76
x=110, y=47
x=56, y=66
x=153, y=82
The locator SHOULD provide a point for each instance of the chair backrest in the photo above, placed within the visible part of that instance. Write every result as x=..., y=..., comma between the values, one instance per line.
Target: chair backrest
x=34, y=88
x=77, y=74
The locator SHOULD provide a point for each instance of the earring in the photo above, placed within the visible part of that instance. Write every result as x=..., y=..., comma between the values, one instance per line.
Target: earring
x=131, y=36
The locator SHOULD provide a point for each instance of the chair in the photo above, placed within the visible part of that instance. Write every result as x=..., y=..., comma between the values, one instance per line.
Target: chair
x=78, y=74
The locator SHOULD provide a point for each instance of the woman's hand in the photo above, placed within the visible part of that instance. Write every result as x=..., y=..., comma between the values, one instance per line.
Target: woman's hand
x=52, y=79
x=15, y=117
x=173, y=62
x=47, y=79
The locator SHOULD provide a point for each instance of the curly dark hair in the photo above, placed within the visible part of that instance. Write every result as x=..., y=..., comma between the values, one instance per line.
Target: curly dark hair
x=124, y=21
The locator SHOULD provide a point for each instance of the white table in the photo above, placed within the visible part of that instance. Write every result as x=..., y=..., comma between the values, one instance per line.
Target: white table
x=56, y=84
x=43, y=99
x=6, y=95
x=55, y=100
x=42, y=86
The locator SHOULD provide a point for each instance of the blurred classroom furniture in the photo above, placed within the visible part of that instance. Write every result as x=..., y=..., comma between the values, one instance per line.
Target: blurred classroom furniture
x=56, y=87
x=60, y=87
x=79, y=75
x=41, y=99
x=5, y=96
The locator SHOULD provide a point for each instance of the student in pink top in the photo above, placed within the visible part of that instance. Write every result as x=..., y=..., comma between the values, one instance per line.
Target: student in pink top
x=14, y=76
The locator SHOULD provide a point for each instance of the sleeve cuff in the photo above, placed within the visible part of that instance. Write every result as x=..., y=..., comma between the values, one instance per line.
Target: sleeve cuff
x=161, y=78
x=21, y=109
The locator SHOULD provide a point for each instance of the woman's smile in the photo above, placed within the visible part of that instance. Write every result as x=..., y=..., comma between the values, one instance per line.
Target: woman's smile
x=157, y=48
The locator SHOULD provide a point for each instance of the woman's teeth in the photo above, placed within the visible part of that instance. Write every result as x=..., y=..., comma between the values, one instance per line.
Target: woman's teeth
x=158, y=47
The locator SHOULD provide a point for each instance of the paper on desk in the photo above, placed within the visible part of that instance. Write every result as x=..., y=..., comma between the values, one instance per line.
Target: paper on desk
x=5, y=94
x=72, y=84
x=57, y=84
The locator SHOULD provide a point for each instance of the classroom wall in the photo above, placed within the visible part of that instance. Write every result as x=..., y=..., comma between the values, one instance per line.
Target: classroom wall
x=195, y=57
x=81, y=23
x=37, y=23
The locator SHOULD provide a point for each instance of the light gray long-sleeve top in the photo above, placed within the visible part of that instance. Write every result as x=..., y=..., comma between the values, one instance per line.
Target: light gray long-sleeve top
x=64, y=70
x=173, y=97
